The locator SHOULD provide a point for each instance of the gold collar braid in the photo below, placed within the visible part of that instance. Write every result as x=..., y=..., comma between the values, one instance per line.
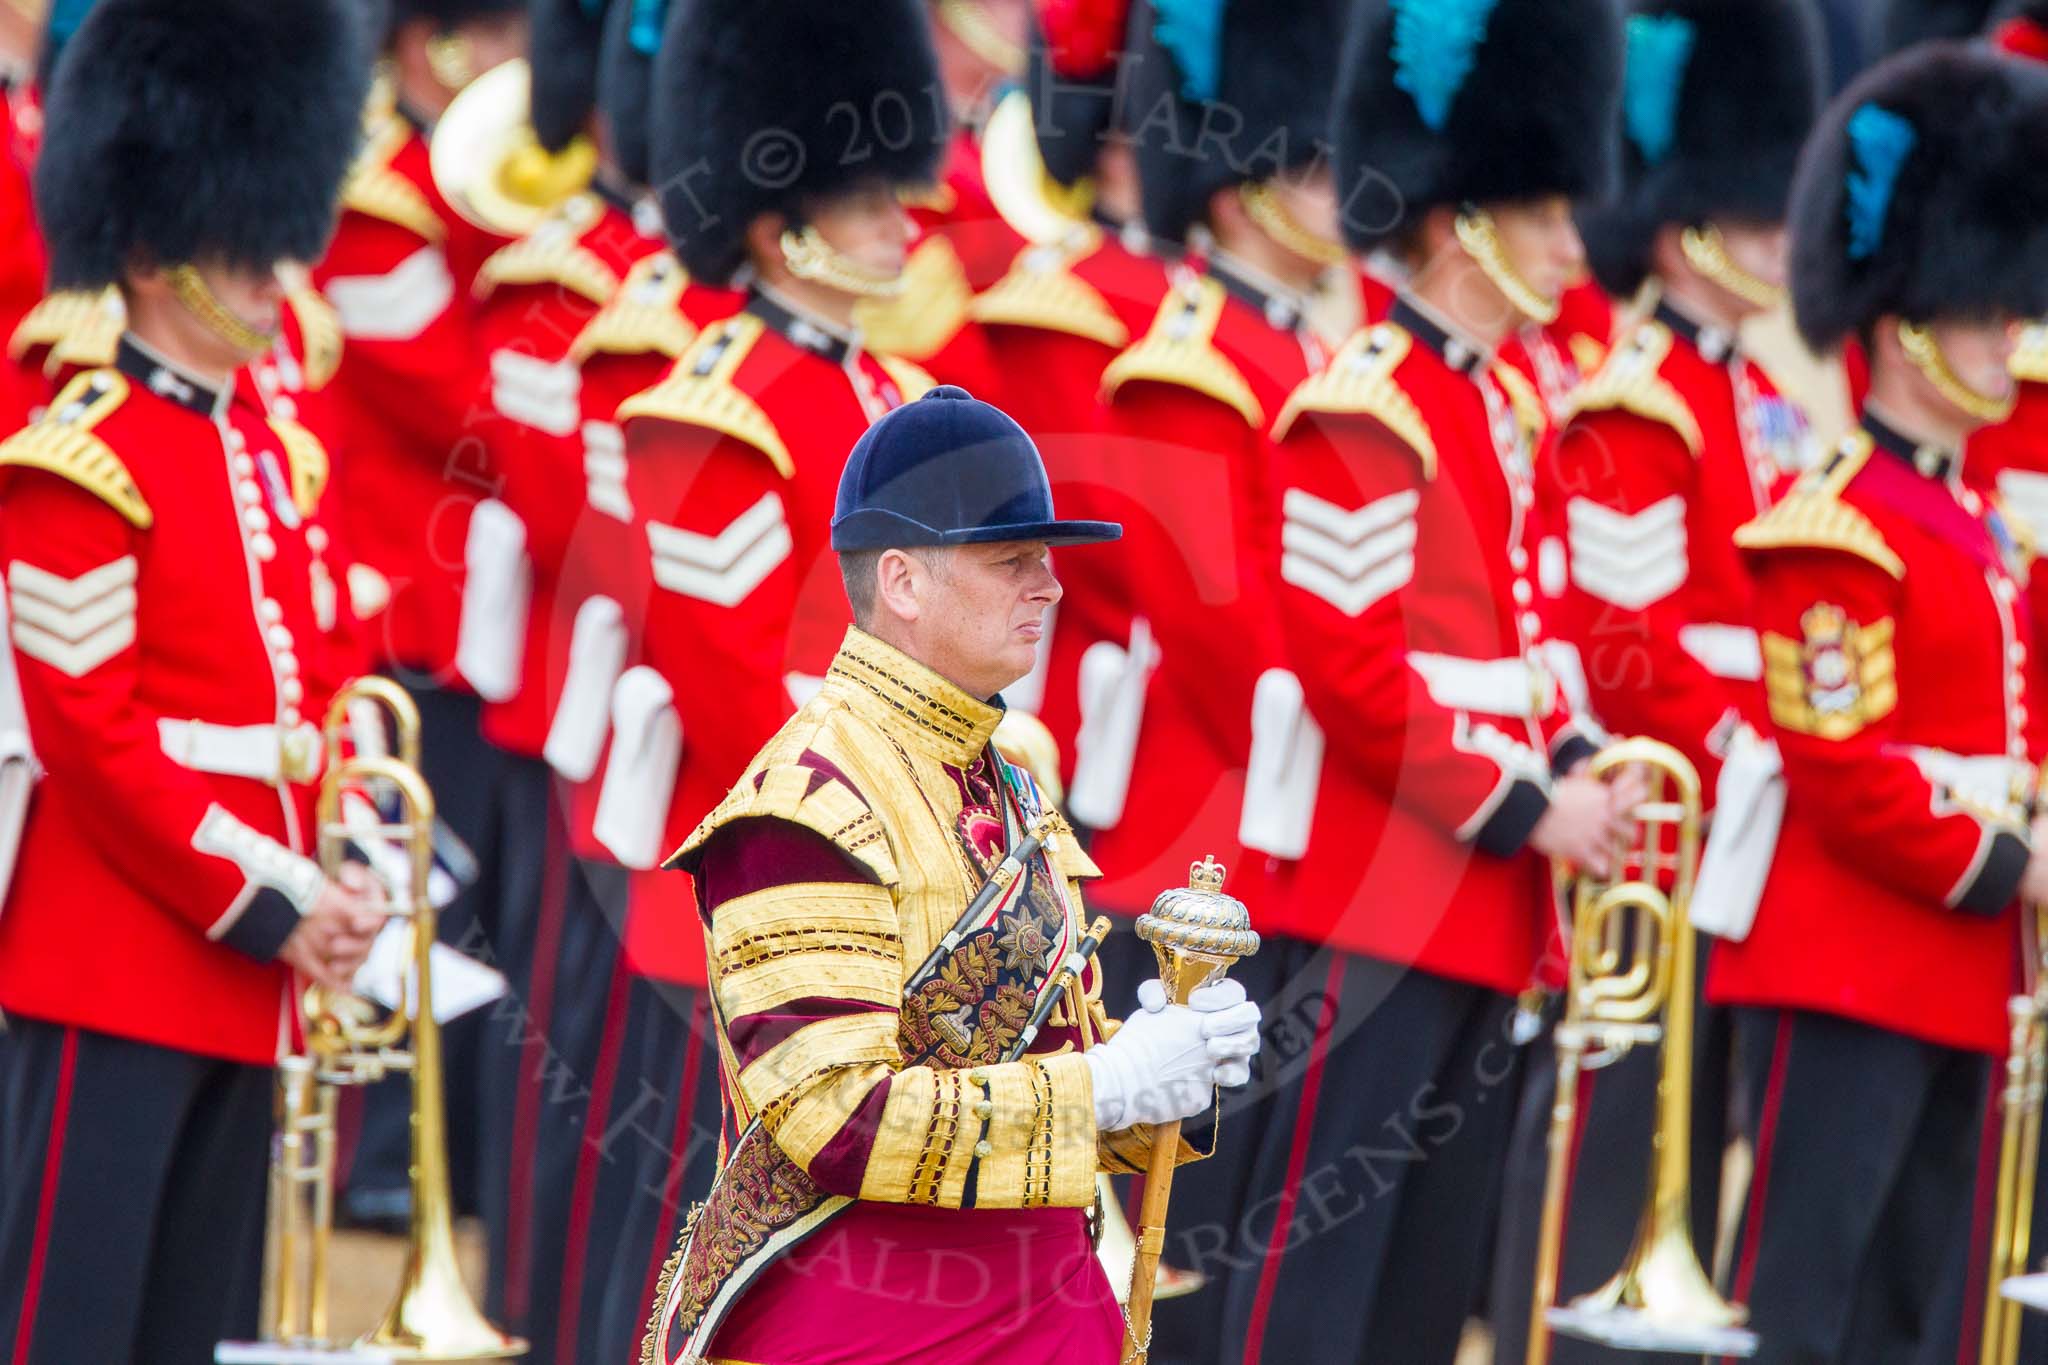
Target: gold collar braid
x=908, y=701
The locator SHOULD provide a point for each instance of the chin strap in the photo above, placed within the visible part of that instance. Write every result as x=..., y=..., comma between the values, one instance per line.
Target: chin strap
x=450, y=60
x=810, y=257
x=1919, y=343
x=1707, y=253
x=191, y=290
x=1265, y=208
x=1481, y=241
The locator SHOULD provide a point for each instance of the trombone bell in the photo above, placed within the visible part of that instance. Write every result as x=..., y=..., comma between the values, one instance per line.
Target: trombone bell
x=488, y=164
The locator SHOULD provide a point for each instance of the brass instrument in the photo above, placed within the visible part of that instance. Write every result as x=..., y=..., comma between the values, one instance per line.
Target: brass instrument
x=487, y=162
x=1631, y=965
x=2010, y=1287
x=1197, y=932
x=432, y=1317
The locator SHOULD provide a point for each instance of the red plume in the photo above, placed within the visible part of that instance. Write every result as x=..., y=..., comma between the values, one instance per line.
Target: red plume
x=1082, y=36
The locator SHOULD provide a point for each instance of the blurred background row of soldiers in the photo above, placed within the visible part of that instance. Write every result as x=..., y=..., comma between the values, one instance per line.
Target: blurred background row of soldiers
x=1424, y=501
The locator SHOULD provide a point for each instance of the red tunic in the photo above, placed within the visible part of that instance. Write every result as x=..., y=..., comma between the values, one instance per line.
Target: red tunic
x=169, y=607
x=1408, y=614
x=1895, y=647
x=1191, y=405
x=1677, y=441
x=1060, y=315
x=399, y=274
x=733, y=465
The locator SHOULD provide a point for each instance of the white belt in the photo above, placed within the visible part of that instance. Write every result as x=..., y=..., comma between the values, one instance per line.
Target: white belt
x=1729, y=652
x=1994, y=782
x=263, y=752
x=1493, y=687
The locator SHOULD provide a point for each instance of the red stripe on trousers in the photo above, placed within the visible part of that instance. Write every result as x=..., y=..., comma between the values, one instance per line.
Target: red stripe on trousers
x=585, y=1193
x=1297, y=1158
x=679, y=1145
x=1760, y=1177
x=1989, y=1142
x=46, y=1201
x=540, y=1004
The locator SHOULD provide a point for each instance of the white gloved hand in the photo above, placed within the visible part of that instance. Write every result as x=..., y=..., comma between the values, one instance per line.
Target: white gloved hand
x=1164, y=1061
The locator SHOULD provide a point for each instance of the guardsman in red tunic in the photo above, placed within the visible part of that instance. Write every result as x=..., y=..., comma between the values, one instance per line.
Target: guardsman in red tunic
x=728, y=610
x=21, y=244
x=411, y=464
x=168, y=608
x=1870, y=992
x=1675, y=440
x=1431, y=758
x=1166, y=740
x=1085, y=284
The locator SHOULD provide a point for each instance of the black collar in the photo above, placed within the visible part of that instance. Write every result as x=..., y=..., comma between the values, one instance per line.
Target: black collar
x=1715, y=344
x=167, y=381
x=421, y=124
x=805, y=333
x=1281, y=309
x=616, y=195
x=1455, y=352
x=1930, y=461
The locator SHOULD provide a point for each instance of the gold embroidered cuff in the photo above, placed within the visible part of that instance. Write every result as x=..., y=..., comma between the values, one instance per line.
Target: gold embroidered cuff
x=1128, y=1151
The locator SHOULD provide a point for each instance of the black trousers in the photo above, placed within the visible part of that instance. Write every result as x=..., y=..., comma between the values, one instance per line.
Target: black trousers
x=1375, y=1188
x=479, y=797
x=1858, y=1238
x=1611, y=1166
x=656, y=1157
x=132, y=1187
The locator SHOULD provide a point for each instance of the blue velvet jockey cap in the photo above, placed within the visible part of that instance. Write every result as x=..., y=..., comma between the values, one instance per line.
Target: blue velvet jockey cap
x=950, y=469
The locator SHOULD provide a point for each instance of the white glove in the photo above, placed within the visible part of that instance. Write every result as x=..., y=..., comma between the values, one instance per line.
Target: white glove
x=1164, y=1061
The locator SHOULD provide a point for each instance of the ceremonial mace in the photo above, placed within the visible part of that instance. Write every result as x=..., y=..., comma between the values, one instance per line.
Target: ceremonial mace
x=1198, y=932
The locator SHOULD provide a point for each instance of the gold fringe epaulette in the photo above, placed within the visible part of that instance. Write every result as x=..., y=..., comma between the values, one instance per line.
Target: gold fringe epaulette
x=319, y=331
x=62, y=443
x=2029, y=361
x=929, y=312
x=1531, y=414
x=1359, y=381
x=77, y=326
x=699, y=391
x=1180, y=349
x=912, y=381
x=553, y=253
x=643, y=316
x=308, y=460
x=375, y=190
x=1812, y=515
x=1041, y=290
x=1628, y=381
x=784, y=791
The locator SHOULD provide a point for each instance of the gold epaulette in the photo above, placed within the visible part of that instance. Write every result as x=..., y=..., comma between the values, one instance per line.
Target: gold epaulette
x=77, y=326
x=1628, y=381
x=375, y=190
x=1812, y=515
x=2030, y=357
x=784, y=791
x=553, y=253
x=643, y=316
x=912, y=381
x=1041, y=290
x=62, y=443
x=1179, y=348
x=699, y=391
x=1359, y=381
x=1530, y=412
x=308, y=460
x=319, y=332
x=927, y=313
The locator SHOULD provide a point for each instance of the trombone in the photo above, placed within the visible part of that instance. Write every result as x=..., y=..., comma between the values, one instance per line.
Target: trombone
x=432, y=1317
x=2019, y=1157
x=1631, y=982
